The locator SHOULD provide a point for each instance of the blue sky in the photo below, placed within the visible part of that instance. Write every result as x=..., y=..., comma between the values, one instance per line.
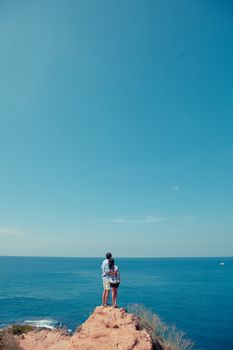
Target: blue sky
x=116, y=128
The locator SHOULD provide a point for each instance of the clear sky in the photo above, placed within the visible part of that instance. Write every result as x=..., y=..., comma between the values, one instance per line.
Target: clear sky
x=116, y=127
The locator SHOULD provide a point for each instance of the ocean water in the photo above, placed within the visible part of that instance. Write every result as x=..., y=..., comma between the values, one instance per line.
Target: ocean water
x=196, y=294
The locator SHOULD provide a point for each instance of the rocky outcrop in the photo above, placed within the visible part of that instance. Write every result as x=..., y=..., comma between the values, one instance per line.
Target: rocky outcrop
x=107, y=328
x=41, y=339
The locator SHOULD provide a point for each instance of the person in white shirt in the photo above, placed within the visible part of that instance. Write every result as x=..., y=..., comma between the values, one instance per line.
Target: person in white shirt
x=114, y=277
x=106, y=279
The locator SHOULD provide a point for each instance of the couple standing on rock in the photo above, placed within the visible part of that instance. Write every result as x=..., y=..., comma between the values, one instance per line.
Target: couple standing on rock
x=111, y=280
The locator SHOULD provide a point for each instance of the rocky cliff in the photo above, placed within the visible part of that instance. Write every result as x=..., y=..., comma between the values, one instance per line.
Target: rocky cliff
x=106, y=329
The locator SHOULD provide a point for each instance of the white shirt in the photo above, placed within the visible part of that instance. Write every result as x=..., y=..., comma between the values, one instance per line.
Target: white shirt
x=103, y=267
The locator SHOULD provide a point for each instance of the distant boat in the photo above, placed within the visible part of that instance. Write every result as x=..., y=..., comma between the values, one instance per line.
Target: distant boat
x=222, y=263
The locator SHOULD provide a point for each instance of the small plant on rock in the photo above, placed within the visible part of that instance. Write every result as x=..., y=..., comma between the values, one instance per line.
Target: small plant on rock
x=20, y=329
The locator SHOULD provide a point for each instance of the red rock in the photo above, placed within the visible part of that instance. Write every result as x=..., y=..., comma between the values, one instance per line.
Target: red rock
x=106, y=329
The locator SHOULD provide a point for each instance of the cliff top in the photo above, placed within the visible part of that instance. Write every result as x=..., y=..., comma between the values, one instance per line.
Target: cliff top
x=107, y=328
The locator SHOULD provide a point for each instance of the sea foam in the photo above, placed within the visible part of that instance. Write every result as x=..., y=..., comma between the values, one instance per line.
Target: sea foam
x=44, y=323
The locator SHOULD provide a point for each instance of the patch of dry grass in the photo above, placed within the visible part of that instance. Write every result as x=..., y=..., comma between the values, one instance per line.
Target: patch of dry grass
x=169, y=335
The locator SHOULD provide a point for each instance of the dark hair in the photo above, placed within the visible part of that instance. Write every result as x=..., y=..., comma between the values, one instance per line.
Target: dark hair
x=111, y=264
x=108, y=255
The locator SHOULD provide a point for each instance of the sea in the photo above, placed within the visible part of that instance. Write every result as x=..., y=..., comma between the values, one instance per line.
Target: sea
x=195, y=294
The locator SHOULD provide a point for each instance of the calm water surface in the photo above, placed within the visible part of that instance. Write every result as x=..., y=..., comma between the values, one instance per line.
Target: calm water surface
x=194, y=293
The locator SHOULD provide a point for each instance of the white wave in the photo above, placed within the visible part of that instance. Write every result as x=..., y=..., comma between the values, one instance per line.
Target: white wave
x=45, y=323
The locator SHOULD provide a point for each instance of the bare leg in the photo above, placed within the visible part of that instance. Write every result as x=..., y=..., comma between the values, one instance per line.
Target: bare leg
x=105, y=297
x=114, y=296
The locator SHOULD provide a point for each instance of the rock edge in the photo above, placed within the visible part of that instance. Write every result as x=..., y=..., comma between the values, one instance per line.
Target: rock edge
x=107, y=328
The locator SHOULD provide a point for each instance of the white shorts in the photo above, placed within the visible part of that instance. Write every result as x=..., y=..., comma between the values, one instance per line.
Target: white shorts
x=106, y=284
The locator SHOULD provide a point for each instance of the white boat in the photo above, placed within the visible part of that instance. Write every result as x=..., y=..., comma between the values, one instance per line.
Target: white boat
x=222, y=263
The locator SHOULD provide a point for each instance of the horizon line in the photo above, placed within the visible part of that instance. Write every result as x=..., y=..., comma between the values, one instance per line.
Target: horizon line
x=118, y=257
